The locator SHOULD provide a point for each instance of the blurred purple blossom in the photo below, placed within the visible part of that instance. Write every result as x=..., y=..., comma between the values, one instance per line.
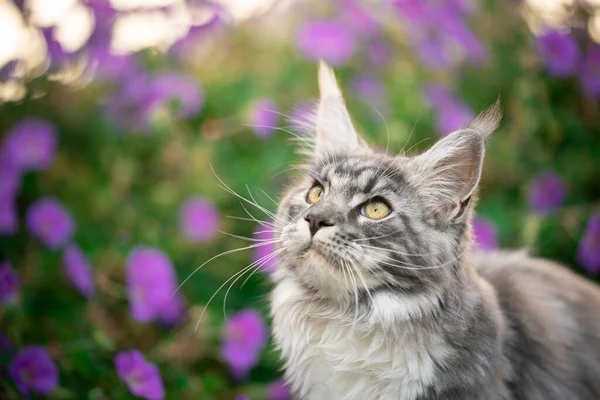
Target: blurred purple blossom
x=151, y=285
x=263, y=117
x=590, y=75
x=30, y=145
x=50, y=222
x=357, y=17
x=173, y=311
x=451, y=112
x=7, y=70
x=278, y=390
x=439, y=32
x=78, y=270
x=198, y=219
x=106, y=65
x=378, y=52
x=243, y=338
x=9, y=220
x=559, y=52
x=141, y=376
x=10, y=181
x=9, y=282
x=33, y=370
x=588, y=251
x=485, y=234
x=142, y=97
x=6, y=345
x=372, y=91
x=262, y=253
x=104, y=18
x=547, y=192
x=20, y=4
x=209, y=18
x=328, y=40
x=57, y=56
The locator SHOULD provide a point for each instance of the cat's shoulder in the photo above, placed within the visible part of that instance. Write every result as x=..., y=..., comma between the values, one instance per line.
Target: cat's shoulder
x=517, y=268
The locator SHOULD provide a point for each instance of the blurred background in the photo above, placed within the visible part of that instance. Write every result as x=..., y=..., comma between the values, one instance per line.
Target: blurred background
x=114, y=114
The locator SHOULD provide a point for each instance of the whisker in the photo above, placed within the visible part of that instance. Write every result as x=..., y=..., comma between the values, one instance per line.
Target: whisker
x=252, y=246
x=247, y=219
x=276, y=203
x=258, y=264
x=249, y=239
x=394, y=251
x=228, y=189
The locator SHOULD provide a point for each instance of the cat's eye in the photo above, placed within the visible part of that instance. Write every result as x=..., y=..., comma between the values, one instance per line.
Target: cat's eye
x=376, y=209
x=315, y=194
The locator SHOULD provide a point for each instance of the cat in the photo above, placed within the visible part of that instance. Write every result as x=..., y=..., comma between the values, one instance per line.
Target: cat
x=378, y=294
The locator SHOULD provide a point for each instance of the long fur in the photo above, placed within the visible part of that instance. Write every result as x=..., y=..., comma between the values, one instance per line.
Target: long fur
x=400, y=308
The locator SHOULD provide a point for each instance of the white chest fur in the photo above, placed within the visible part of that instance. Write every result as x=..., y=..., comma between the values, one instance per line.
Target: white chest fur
x=328, y=358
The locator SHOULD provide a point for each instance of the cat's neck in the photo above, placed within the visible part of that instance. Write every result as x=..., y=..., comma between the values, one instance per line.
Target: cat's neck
x=463, y=295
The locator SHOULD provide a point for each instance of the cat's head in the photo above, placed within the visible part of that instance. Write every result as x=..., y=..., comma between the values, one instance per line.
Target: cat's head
x=359, y=218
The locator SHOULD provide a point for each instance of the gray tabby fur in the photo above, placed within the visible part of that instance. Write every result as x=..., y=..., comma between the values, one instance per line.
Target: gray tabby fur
x=400, y=308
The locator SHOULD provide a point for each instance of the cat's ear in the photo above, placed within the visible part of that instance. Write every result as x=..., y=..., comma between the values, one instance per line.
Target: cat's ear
x=448, y=173
x=334, y=127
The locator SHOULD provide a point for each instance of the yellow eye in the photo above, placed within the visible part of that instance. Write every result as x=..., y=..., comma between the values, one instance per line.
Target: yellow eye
x=376, y=209
x=315, y=194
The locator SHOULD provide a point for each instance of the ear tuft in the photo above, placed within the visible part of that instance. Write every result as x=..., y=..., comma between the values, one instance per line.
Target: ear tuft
x=447, y=174
x=335, y=130
x=328, y=86
x=487, y=122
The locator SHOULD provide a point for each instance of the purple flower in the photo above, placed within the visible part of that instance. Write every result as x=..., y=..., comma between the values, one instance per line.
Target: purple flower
x=372, y=91
x=378, y=53
x=10, y=181
x=213, y=19
x=359, y=18
x=56, y=54
x=198, y=220
x=451, y=112
x=112, y=67
x=173, y=311
x=78, y=270
x=588, y=251
x=439, y=33
x=559, y=51
x=142, y=97
x=242, y=398
x=278, y=390
x=7, y=70
x=262, y=255
x=30, y=145
x=263, y=117
x=244, y=336
x=104, y=18
x=185, y=90
x=330, y=41
x=484, y=233
x=9, y=282
x=547, y=192
x=141, y=376
x=8, y=216
x=590, y=75
x=33, y=370
x=6, y=345
x=48, y=221
x=151, y=285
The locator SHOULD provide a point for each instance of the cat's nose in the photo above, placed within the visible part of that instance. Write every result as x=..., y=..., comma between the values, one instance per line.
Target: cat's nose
x=316, y=222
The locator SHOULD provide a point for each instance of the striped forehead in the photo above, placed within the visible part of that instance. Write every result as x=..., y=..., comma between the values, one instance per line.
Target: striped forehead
x=360, y=174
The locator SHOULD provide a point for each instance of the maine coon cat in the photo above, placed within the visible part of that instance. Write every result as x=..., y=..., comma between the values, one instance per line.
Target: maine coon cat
x=378, y=295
